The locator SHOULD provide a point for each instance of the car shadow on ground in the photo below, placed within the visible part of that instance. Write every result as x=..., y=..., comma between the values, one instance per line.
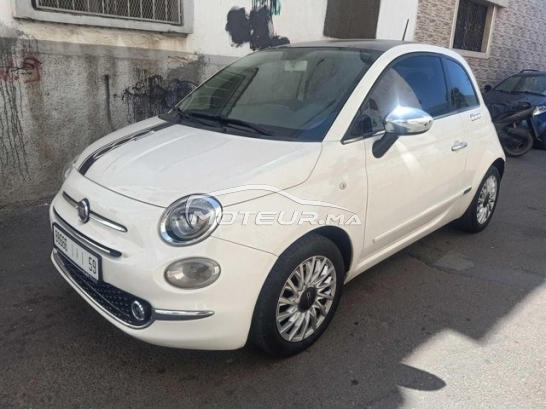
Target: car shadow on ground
x=57, y=351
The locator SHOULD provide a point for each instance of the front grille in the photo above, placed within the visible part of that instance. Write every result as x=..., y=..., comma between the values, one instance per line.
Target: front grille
x=117, y=302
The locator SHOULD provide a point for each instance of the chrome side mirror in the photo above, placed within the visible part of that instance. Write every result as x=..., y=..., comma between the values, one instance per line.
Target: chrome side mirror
x=407, y=121
x=401, y=122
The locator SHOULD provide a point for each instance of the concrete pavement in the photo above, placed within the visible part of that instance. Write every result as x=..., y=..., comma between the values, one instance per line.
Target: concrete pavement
x=456, y=320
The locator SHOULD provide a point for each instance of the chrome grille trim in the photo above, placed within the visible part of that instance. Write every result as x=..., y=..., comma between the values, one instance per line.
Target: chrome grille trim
x=91, y=243
x=97, y=217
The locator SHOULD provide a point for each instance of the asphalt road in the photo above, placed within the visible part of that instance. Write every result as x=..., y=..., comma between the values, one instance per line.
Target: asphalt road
x=456, y=320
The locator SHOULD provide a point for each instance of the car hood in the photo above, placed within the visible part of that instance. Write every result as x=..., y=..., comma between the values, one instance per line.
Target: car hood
x=495, y=97
x=174, y=161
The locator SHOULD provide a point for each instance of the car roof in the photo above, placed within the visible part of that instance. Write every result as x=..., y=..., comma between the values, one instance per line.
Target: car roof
x=376, y=45
x=529, y=73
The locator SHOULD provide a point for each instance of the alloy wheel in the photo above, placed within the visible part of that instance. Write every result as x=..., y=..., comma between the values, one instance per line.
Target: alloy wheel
x=306, y=299
x=487, y=200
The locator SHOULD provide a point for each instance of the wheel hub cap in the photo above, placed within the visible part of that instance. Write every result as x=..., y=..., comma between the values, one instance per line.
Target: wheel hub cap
x=306, y=299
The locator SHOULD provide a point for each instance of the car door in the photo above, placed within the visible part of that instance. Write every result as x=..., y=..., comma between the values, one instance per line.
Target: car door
x=474, y=116
x=417, y=180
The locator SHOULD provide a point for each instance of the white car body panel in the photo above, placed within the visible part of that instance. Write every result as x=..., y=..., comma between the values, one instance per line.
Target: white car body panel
x=417, y=187
x=179, y=160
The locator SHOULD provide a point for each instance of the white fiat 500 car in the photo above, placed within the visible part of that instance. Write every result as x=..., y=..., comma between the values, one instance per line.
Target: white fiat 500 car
x=242, y=212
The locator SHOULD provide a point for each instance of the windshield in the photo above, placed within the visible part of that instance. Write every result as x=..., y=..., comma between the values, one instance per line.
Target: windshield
x=288, y=93
x=532, y=84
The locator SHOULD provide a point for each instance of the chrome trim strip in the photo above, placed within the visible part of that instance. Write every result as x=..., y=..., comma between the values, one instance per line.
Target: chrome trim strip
x=173, y=315
x=71, y=201
x=106, y=250
x=157, y=314
x=97, y=217
x=108, y=223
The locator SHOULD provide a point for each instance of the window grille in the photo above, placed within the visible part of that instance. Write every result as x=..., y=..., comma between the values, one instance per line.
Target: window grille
x=471, y=26
x=162, y=11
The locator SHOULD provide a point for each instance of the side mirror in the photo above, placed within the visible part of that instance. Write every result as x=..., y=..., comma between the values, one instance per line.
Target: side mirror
x=487, y=88
x=402, y=121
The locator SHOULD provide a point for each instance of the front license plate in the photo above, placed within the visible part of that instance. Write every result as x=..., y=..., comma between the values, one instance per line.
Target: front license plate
x=88, y=262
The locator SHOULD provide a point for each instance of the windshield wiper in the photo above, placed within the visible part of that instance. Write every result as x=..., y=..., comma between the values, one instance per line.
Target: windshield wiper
x=231, y=122
x=176, y=115
x=244, y=124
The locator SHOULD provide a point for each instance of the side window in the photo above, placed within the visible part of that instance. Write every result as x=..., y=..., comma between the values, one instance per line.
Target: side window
x=416, y=82
x=461, y=92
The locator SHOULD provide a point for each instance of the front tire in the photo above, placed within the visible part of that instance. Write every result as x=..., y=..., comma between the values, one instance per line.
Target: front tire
x=517, y=145
x=479, y=213
x=299, y=297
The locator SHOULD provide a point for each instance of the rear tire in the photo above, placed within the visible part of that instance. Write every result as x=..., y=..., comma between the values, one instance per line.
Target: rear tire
x=479, y=213
x=299, y=297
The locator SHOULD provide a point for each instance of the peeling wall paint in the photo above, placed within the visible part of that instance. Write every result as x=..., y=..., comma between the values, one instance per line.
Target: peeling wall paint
x=19, y=66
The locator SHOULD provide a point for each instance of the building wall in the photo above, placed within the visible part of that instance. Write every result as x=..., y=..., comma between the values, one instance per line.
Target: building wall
x=517, y=41
x=435, y=22
x=393, y=16
x=64, y=86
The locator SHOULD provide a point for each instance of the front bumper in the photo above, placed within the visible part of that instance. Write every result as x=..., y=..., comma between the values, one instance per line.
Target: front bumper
x=114, y=301
x=214, y=317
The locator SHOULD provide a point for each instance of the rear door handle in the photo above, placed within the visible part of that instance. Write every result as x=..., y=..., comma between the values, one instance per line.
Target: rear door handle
x=458, y=146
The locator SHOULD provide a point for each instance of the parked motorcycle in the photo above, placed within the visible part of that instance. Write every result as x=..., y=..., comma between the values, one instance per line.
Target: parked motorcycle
x=518, y=125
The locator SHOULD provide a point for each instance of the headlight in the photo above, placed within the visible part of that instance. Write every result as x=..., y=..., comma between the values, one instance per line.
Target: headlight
x=539, y=110
x=190, y=220
x=192, y=273
x=69, y=166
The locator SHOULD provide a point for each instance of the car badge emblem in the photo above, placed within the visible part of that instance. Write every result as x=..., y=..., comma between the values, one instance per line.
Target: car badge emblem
x=83, y=210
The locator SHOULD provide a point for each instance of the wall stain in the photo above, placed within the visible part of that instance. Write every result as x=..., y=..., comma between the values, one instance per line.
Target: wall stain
x=152, y=95
x=27, y=70
x=255, y=28
x=108, y=106
x=19, y=65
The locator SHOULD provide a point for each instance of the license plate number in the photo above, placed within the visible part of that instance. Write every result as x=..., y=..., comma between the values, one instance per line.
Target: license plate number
x=87, y=261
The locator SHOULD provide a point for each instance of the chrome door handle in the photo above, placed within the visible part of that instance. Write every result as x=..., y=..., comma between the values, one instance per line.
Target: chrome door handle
x=458, y=146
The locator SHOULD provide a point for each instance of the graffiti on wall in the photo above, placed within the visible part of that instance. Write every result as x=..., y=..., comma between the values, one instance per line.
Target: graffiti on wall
x=19, y=66
x=25, y=70
x=153, y=94
x=255, y=28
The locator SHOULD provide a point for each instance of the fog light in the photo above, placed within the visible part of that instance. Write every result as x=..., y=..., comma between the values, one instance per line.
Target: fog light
x=138, y=310
x=192, y=273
